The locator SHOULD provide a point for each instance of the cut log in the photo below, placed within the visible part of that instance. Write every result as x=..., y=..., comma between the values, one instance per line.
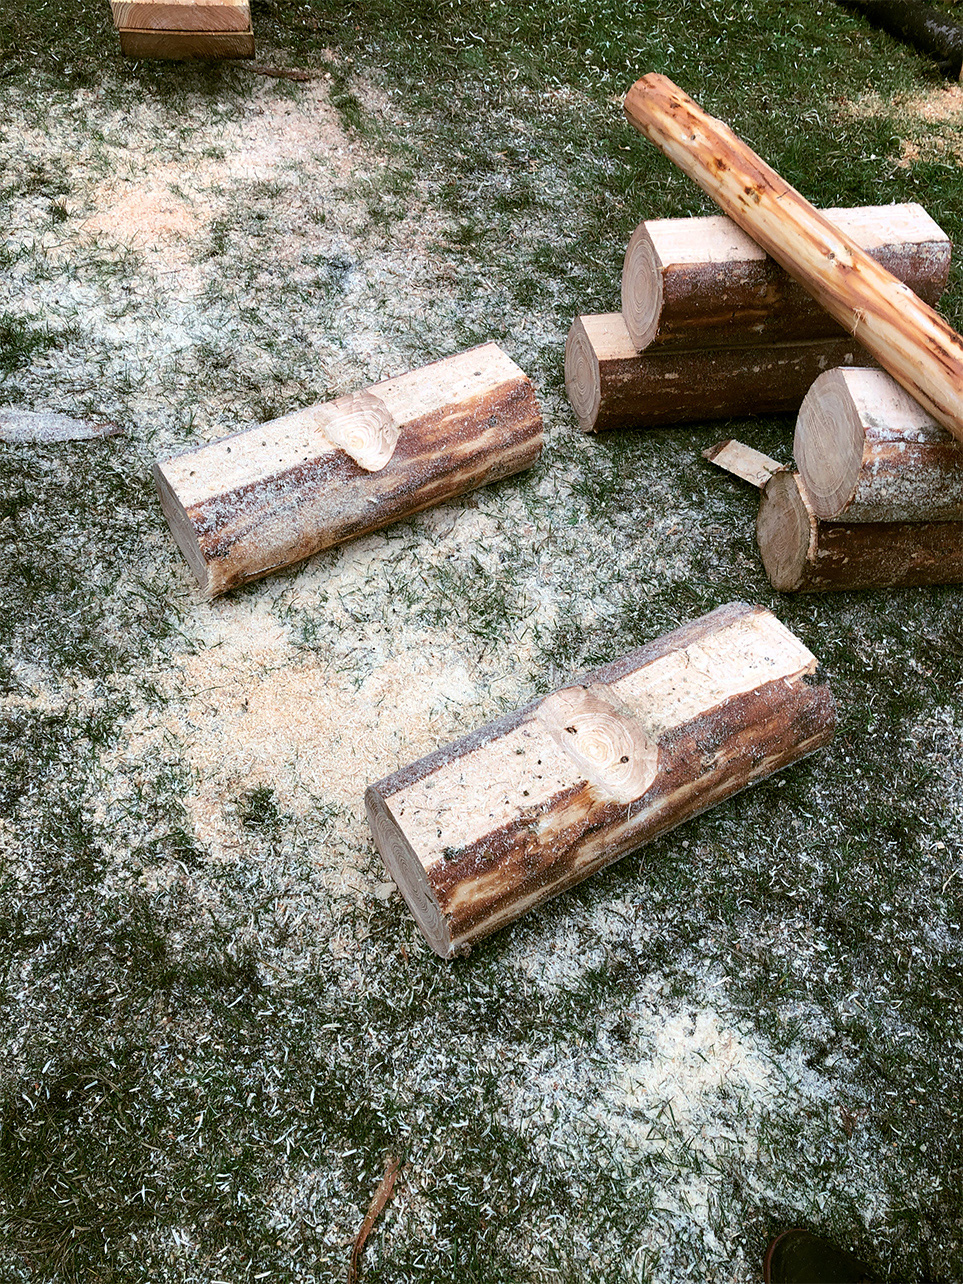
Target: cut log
x=700, y=282
x=186, y=46
x=905, y=335
x=610, y=385
x=485, y=829
x=802, y=554
x=182, y=15
x=264, y=498
x=868, y=452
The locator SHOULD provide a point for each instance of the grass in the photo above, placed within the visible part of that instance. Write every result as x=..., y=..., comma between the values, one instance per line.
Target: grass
x=220, y=1030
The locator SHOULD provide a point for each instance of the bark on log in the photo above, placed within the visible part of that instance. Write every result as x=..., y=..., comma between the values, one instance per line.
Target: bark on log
x=182, y=15
x=487, y=828
x=905, y=335
x=264, y=498
x=868, y=452
x=701, y=282
x=186, y=46
x=610, y=385
x=802, y=554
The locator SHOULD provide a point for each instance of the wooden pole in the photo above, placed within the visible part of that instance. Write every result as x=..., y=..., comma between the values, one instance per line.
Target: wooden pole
x=270, y=496
x=702, y=282
x=905, y=335
x=483, y=830
x=867, y=452
x=610, y=385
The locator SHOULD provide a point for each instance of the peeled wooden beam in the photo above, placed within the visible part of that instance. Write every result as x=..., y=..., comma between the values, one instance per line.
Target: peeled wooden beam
x=802, y=554
x=264, y=498
x=905, y=335
x=701, y=282
x=186, y=46
x=485, y=829
x=868, y=452
x=182, y=15
x=610, y=385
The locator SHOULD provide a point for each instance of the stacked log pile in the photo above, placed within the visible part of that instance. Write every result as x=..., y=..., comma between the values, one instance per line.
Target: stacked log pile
x=184, y=29
x=712, y=327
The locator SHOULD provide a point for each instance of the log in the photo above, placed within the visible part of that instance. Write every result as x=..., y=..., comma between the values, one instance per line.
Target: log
x=272, y=495
x=485, y=829
x=917, y=347
x=868, y=452
x=186, y=46
x=182, y=15
x=701, y=282
x=802, y=554
x=610, y=385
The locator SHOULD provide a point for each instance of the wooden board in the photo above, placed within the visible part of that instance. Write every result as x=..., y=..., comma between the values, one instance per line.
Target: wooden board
x=264, y=498
x=485, y=829
x=701, y=282
x=182, y=15
x=184, y=46
x=611, y=385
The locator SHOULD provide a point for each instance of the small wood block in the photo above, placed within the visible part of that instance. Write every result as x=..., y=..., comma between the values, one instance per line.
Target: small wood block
x=610, y=385
x=743, y=462
x=185, y=46
x=204, y=16
x=485, y=829
x=270, y=496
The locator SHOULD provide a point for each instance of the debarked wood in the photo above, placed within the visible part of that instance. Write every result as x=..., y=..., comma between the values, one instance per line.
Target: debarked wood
x=270, y=496
x=485, y=829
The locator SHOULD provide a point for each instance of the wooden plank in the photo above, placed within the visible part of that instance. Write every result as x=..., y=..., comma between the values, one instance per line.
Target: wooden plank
x=486, y=829
x=244, y=506
x=611, y=385
x=700, y=282
x=743, y=462
x=185, y=46
x=182, y=15
x=918, y=348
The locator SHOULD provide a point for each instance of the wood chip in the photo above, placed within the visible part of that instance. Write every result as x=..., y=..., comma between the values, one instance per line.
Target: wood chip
x=382, y=1195
x=20, y=427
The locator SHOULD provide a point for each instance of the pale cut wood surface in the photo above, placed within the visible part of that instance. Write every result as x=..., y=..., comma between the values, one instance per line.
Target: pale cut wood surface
x=802, y=554
x=743, y=462
x=186, y=46
x=868, y=452
x=483, y=830
x=917, y=347
x=610, y=385
x=182, y=15
x=272, y=495
x=699, y=282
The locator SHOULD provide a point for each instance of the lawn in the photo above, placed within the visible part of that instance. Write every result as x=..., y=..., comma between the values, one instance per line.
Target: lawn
x=221, y=1021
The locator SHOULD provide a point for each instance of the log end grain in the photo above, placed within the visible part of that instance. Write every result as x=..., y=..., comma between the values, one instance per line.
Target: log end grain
x=183, y=530
x=828, y=443
x=583, y=382
x=402, y=863
x=642, y=288
x=786, y=532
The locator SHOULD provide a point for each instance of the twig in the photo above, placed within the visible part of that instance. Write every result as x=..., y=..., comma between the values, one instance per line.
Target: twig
x=282, y=73
x=382, y=1195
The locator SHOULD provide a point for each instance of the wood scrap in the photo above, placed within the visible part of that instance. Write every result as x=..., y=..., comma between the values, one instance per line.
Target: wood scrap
x=44, y=427
x=378, y=1202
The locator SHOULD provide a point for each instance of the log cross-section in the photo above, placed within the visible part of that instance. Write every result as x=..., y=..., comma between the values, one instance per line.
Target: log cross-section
x=270, y=496
x=485, y=829
x=908, y=339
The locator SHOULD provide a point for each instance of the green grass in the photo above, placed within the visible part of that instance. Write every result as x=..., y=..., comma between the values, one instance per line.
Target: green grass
x=210, y=1057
